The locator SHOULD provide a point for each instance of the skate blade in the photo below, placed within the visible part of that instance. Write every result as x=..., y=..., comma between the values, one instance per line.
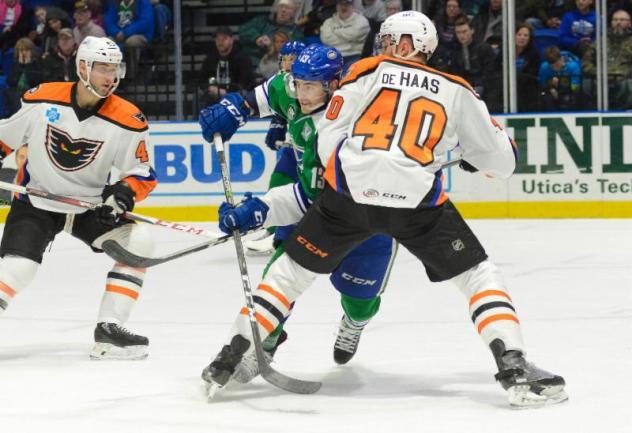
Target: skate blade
x=257, y=253
x=107, y=351
x=520, y=397
x=212, y=388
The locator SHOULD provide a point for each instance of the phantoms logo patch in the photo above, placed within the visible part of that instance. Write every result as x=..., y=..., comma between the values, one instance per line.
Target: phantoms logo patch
x=67, y=153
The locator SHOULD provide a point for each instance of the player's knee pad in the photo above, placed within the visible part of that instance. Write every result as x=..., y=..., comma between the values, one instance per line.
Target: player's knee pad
x=288, y=277
x=485, y=275
x=135, y=237
x=15, y=274
x=364, y=272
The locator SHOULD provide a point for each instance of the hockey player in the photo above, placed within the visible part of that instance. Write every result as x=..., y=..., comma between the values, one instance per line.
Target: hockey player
x=384, y=135
x=285, y=171
x=77, y=133
x=361, y=277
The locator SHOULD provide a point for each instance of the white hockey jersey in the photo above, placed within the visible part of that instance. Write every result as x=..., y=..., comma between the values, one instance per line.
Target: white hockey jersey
x=72, y=151
x=389, y=127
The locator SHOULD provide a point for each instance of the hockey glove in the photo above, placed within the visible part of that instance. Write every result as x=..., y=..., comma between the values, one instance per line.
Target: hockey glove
x=464, y=165
x=247, y=215
x=117, y=199
x=225, y=117
x=276, y=133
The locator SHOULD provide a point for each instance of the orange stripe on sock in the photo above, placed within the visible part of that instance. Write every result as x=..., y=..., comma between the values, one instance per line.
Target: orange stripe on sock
x=262, y=320
x=122, y=290
x=6, y=289
x=496, y=318
x=489, y=293
x=276, y=294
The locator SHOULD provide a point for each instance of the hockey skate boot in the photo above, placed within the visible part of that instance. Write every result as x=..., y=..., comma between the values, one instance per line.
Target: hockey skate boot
x=347, y=340
x=112, y=341
x=528, y=385
x=261, y=246
x=248, y=368
x=219, y=372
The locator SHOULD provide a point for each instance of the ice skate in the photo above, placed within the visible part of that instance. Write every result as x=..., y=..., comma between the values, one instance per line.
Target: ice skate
x=248, y=368
x=527, y=385
x=347, y=341
x=219, y=372
x=112, y=341
x=261, y=246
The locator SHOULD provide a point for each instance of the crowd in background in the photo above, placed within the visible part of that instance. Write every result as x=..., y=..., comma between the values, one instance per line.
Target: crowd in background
x=555, y=46
x=39, y=38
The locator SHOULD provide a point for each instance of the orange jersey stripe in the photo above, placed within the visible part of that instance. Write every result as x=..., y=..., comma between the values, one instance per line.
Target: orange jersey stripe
x=142, y=188
x=122, y=291
x=330, y=172
x=496, y=318
x=6, y=289
x=365, y=66
x=489, y=293
x=52, y=92
x=276, y=294
x=123, y=113
x=262, y=320
x=6, y=150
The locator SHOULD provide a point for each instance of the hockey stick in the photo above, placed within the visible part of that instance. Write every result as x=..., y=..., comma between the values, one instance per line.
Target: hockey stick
x=119, y=253
x=272, y=376
x=91, y=206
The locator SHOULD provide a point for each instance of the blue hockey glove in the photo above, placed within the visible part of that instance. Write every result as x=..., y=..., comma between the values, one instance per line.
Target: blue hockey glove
x=224, y=117
x=277, y=131
x=247, y=215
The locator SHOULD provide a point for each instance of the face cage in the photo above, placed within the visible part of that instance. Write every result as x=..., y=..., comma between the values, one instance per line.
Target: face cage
x=120, y=74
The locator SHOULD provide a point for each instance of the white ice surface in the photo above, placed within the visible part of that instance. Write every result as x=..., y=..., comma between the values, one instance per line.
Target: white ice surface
x=420, y=367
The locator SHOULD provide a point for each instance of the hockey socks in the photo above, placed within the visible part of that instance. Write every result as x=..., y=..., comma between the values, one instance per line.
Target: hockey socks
x=360, y=310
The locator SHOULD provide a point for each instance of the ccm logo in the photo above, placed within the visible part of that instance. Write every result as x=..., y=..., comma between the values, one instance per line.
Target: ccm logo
x=311, y=247
x=359, y=281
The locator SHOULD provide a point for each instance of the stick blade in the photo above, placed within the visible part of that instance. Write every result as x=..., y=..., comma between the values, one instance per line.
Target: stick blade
x=290, y=384
x=115, y=250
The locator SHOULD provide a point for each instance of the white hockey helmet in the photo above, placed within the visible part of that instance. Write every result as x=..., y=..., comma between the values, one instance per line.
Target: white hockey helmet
x=415, y=24
x=104, y=50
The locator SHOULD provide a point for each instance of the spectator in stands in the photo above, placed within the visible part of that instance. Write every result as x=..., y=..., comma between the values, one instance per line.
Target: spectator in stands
x=56, y=19
x=560, y=80
x=346, y=30
x=619, y=61
x=313, y=21
x=371, y=45
x=15, y=22
x=60, y=64
x=269, y=64
x=527, y=69
x=475, y=61
x=577, y=30
x=37, y=32
x=372, y=9
x=444, y=22
x=392, y=7
x=255, y=36
x=84, y=26
x=489, y=22
x=25, y=73
x=542, y=13
x=226, y=68
x=131, y=24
